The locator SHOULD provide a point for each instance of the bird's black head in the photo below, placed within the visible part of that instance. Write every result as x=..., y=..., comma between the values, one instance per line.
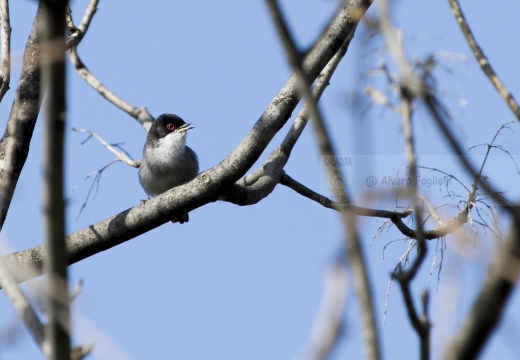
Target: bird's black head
x=166, y=124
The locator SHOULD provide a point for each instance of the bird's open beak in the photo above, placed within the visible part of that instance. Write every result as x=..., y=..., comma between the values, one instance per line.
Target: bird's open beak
x=184, y=128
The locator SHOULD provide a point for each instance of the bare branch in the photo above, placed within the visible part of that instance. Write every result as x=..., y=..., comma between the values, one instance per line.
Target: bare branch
x=327, y=328
x=438, y=114
x=95, y=183
x=259, y=184
x=14, y=145
x=502, y=276
x=5, y=61
x=354, y=249
x=80, y=352
x=57, y=329
x=328, y=203
x=140, y=114
x=121, y=155
x=87, y=17
x=482, y=59
x=207, y=186
x=77, y=34
x=21, y=304
x=396, y=217
x=490, y=303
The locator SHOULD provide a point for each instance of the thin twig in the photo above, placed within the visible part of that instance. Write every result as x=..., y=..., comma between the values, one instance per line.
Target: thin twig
x=482, y=59
x=437, y=112
x=330, y=204
x=121, y=155
x=95, y=184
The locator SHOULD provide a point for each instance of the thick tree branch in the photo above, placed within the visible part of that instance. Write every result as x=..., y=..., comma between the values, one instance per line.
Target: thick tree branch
x=482, y=59
x=5, y=61
x=14, y=145
x=207, y=186
x=57, y=329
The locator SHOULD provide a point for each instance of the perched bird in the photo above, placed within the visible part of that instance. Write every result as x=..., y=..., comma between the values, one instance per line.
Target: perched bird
x=167, y=161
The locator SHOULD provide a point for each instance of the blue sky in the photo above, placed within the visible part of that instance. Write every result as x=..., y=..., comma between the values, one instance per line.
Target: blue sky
x=246, y=282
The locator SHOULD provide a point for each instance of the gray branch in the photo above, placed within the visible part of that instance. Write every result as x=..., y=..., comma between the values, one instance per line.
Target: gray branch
x=57, y=329
x=14, y=145
x=354, y=249
x=206, y=187
x=5, y=61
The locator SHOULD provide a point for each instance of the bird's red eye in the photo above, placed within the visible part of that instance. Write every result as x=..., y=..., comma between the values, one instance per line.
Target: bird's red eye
x=170, y=126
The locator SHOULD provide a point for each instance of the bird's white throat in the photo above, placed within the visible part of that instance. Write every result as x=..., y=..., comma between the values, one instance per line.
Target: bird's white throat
x=169, y=147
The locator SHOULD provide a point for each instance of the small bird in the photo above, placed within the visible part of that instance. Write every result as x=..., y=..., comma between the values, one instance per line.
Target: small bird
x=167, y=161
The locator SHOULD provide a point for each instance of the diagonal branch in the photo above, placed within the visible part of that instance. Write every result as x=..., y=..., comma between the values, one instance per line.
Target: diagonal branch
x=21, y=304
x=15, y=143
x=354, y=250
x=260, y=183
x=482, y=59
x=140, y=114
x=121, y=155
x=207, y=186
x=486, y=312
